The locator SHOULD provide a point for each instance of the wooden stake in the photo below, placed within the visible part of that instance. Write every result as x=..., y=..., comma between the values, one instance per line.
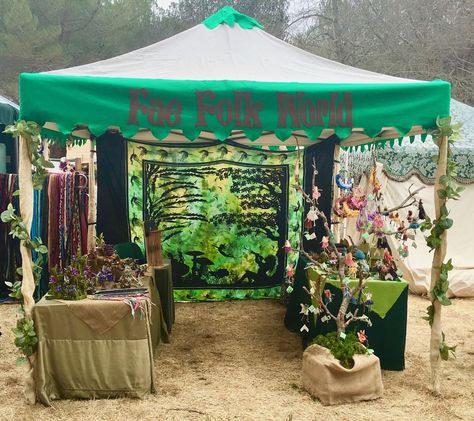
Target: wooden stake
x=438, y=259
x=28, y=283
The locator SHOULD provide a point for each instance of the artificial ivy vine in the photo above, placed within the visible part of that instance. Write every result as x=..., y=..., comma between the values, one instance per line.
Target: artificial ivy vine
x=25, y=335
x=449, y=190
x=30, y=131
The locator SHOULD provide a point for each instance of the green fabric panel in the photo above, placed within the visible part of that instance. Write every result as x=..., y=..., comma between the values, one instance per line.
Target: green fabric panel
x=101, y=102
x=384, y=293
x=73, y=361
x=229, y=16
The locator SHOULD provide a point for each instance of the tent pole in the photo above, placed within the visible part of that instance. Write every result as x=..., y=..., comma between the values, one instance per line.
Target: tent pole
x=91, y=217
x=28, y=283
x=335, y=193
x=438, y=259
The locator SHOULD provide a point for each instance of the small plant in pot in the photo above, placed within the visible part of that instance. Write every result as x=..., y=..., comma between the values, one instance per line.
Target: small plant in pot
x=72, y=282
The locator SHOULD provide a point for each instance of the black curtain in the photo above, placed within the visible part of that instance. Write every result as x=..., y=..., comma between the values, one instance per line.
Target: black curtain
x=112, y=209
x=323, y=156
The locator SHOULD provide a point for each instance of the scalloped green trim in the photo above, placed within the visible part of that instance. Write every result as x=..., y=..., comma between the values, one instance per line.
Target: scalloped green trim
x=229, y=16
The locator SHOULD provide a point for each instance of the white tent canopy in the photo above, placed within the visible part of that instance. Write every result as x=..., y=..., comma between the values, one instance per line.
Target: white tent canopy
x=234, y=53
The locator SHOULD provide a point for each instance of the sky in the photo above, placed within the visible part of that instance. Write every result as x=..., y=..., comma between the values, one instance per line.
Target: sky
x=164, y=3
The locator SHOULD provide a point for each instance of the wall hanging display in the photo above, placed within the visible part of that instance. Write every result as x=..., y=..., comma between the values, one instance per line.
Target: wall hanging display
x=224, y=213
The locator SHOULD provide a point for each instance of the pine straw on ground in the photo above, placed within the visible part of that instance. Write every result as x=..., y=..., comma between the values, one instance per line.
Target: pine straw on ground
x=236, y=360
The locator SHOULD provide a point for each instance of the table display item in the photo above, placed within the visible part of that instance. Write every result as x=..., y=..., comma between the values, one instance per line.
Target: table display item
x=101, y=269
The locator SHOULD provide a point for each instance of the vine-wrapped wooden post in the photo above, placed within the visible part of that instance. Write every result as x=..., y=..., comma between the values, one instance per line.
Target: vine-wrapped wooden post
x=28, y=283
x=438, y=259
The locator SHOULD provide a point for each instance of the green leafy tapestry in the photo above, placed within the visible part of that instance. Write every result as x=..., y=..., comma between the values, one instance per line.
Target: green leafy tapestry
x=224, y=211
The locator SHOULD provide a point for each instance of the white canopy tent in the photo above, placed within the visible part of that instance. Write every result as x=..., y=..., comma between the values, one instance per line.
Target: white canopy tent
x=401, y=167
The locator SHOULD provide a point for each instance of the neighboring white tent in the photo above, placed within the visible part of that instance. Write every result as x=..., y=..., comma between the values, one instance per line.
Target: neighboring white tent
x=405, y=166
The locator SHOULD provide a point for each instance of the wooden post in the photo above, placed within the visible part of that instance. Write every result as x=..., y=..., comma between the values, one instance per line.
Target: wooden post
x=28, y=283
x=91, y=217
x=154, y=253
x=438, y=259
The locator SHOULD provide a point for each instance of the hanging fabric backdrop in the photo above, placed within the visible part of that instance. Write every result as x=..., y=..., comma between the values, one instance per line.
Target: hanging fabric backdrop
x=224, y=212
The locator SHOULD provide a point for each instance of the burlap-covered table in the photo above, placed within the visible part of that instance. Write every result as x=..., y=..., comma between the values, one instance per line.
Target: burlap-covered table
x=95, y=349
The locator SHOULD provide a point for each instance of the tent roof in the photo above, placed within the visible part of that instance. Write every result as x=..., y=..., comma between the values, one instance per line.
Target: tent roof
x=8, y=111
x=229, y=53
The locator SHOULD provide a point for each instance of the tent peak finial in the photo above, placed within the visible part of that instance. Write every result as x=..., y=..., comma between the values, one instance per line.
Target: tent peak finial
x=229, y=16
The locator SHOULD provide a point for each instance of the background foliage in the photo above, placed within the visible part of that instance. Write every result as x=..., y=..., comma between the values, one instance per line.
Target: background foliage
x=426, y=39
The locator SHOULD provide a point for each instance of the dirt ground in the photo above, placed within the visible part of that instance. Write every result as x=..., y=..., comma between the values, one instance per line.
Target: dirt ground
x=236, y=360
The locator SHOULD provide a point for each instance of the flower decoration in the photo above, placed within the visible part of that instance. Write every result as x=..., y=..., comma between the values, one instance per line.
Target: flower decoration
x=290, y=271
x=105, y=275
x=70, y=282
x=362, y=336
x=348, y=260
x=325, y=242
x=287, y=246
x=316, y=193
x=352, y=271
x=327, y=295
x=312, y=215
x=368, y=299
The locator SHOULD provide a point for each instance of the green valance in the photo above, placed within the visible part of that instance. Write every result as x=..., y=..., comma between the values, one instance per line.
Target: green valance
x=221, y=106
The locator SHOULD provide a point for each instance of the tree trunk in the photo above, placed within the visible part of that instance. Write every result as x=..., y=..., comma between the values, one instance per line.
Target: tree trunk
x=438, y=259
x=341, y=315
x=28, y=282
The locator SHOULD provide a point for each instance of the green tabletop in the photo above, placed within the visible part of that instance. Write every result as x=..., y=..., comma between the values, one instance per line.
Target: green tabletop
x=384, y=293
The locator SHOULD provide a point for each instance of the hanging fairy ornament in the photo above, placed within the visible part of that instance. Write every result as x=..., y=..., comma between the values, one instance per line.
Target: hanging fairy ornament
x=325, y=242
x=312, y=215
x=421, y=211
x=316, y=193
x=344, y=183
x=373, y=180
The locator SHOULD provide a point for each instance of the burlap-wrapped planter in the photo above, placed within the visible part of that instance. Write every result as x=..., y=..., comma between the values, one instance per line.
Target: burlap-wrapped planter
x=325, y=378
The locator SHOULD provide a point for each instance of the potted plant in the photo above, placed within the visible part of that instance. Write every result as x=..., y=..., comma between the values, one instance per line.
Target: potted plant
x=72, y=282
